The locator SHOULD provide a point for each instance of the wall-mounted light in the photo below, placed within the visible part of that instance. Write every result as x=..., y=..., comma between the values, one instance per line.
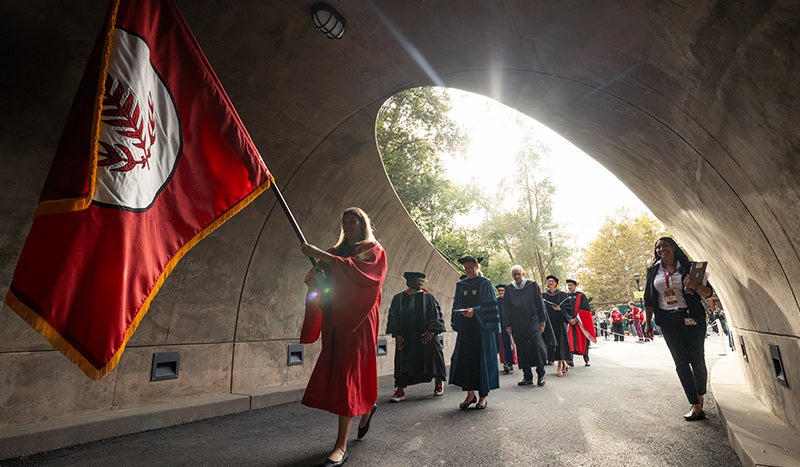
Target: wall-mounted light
x=744, y=349
x=328, y=20
x=294, y=354
x=777, y=362
x=165, y=366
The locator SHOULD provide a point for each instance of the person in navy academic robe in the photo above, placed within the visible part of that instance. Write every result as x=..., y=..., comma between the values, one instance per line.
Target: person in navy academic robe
x=473, y=365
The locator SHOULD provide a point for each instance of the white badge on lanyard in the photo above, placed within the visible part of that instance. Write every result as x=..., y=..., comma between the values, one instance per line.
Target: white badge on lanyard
x=670, y=296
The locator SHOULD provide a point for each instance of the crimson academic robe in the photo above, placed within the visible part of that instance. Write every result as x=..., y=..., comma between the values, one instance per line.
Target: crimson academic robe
x=578, y=340
x=345, y=378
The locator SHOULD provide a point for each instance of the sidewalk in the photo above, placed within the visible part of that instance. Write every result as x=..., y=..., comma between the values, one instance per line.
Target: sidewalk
x=758, y=436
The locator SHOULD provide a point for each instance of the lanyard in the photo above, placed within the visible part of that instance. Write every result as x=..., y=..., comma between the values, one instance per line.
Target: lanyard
x=667, y=275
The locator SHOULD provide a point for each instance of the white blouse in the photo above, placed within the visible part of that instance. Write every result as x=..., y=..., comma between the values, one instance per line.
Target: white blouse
x=675, y=283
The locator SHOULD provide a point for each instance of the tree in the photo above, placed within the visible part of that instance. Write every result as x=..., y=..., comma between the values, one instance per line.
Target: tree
x=527, y=235
x=623, y=247
x=414, y=133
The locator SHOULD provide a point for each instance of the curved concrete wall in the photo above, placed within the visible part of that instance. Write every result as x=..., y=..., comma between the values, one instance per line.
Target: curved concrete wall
x=691, y=106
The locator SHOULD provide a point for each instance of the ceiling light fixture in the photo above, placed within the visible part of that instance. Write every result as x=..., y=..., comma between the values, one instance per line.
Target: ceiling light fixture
x=328, y=20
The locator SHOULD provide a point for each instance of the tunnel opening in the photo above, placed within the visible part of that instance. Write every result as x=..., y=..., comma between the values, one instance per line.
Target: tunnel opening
x=477, y=175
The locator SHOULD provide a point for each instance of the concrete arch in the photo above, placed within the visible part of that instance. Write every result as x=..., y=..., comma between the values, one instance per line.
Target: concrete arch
x=693, y=107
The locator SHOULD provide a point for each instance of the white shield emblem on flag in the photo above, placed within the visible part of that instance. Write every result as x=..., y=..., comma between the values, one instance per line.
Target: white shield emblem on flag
x=140, y=134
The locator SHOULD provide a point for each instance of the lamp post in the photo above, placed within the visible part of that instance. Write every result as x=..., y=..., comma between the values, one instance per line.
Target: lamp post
x=639, y=295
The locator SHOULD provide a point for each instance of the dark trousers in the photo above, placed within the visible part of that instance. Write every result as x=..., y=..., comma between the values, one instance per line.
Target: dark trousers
x=687, y=346
x=619, y=333
x=531, y=353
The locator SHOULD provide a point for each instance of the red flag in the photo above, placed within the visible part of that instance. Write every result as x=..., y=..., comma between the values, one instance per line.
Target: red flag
x=153, y=158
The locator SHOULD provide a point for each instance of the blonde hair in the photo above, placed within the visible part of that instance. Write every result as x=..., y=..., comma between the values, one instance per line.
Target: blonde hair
x=366, y=227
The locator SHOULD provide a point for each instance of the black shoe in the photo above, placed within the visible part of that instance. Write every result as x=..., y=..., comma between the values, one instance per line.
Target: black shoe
x=363, y=431
x=330, y=463
x=540, y=381
x=588, y=364
x=465, y=405
x=481, y=406
x=692, y=416
x=525, y=382
x=570, y=363
x=549, y=363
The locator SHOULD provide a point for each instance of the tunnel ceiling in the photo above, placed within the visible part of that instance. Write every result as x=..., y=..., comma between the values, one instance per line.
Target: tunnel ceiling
x=691, y=105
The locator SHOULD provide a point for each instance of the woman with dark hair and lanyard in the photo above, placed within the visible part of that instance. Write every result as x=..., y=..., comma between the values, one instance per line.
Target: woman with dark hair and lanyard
x=675, y=299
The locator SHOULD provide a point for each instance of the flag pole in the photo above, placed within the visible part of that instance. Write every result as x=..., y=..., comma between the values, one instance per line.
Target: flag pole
x=293, y=221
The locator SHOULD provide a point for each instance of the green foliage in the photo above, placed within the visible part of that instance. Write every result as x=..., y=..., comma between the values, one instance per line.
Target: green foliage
x=623, y=247
x=413, y=133
x=527, y=235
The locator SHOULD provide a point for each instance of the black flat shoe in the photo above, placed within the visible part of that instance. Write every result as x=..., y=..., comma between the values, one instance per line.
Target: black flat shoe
x=540, y=382
x=465, y=405
x=480, y=406
x=691, y=416
x=363, y=431
x=330, y=463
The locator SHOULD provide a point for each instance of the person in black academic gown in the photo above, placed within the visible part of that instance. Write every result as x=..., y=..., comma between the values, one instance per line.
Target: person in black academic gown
x=526, y=320
x=473, y=365
x=559, y=309
x=508, y=355
x=415, y=321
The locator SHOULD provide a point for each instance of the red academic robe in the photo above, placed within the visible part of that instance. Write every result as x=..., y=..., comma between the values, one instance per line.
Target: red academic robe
x=578, y=339
x=345, y=378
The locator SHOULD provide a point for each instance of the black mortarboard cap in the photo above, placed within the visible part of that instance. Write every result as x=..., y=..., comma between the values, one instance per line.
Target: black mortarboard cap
x=500, y=286
x=470, y=259
x=413, y=275
x=553, y=277
x=571, y=281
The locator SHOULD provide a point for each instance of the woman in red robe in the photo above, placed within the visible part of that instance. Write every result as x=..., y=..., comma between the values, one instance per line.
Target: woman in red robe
x=345, y=308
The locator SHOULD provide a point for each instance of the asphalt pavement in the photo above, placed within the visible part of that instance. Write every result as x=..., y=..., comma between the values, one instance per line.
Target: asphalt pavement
x=624, y=410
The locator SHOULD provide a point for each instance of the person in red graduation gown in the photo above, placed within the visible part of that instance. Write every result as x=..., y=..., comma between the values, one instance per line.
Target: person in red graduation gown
x=345, y=308
x=581, y=327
